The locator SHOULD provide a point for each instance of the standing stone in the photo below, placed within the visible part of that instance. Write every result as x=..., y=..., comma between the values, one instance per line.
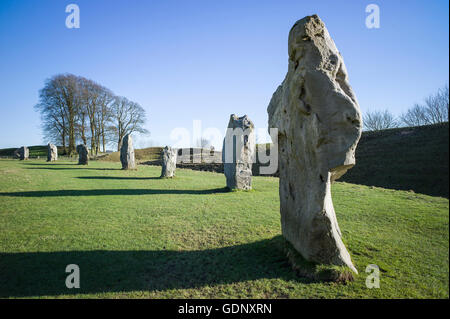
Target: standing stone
x=127, y=153
x=52, y=152
x=82, y=151
x=319, y=125
x=238, y=152
x=22, y=153
x=169, y=162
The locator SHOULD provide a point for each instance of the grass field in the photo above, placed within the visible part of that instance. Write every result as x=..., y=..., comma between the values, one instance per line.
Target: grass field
x=134, y=235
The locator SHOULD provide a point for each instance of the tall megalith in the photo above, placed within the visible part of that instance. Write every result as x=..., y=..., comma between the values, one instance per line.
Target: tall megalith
x=127, y=153
x=238, y=152
x=319, y=125
x=169, y=162
x=52, y=152
x=82, y=151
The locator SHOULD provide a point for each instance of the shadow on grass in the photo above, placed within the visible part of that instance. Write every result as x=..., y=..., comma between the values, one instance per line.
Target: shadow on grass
x=118, y=177
x=76, y=166
x=51, y=164
x=114, y=192
x=43, y=273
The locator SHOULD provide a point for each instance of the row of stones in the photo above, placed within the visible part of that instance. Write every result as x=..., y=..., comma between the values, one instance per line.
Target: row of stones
x=23, y=153
x=319, y=125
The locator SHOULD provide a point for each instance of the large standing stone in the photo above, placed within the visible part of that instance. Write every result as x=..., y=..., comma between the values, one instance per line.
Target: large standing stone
x=169, y=162
x=238, y=152
x=127, y=153
x=82, y=151
x=52, y=152
x=319, y=123
x=22, y=153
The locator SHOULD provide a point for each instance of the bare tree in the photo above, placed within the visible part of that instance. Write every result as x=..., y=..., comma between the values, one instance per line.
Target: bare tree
x=74, y=108
x=434, y=111
x=81, y=125
x=59, y=102
x=68, y=93
x=415, y=116
x=104, y=115
x=127, y=117
x=96, y=105
x=97, y=108
x=90, y=93
x=437, y=106
x=379, y=120
x=54, y=129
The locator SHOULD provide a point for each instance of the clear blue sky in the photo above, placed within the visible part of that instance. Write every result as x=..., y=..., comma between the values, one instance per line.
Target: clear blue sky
x=203, y=60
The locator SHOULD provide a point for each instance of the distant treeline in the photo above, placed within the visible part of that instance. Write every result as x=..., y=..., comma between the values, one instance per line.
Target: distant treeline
x=78, y=110
x=434, y=110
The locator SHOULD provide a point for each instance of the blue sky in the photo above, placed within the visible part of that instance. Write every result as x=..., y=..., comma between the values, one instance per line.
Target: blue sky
x=203, y=60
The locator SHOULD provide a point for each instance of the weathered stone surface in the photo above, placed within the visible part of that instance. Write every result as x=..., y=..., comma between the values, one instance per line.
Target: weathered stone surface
x=319, y=123
x=52, y=152
x=22, y=153
x=127, y=153
x=238, y=152
x=83, y=157
x=169, y=162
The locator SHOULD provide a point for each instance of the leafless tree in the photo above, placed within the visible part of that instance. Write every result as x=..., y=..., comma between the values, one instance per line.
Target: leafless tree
x=59, y=102
x=127, y=117
x=104, y=116
x=437, y=106
x=74, y=109
x=379, y=120
x=415, y=116
x=434, y=111
x=96, y=106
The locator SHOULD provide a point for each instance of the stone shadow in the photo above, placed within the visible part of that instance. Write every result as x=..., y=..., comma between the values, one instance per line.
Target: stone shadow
x=50, y=164
x=113, y=192
x=118, y=177
x=76, y=166
x=43, y=273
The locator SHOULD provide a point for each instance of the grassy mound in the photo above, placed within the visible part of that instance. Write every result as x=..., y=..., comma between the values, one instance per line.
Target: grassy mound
x=134, y=235
x=145, y=154
x=413, y=158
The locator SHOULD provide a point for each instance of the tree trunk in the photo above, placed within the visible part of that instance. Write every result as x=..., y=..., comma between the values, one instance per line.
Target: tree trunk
x=92, y=137
x=64, y=143
x=83, y=128
x=71, y=132
x=103, y=140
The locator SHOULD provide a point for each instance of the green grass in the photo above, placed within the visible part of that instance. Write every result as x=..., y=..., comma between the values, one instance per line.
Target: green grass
x=137, y=236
